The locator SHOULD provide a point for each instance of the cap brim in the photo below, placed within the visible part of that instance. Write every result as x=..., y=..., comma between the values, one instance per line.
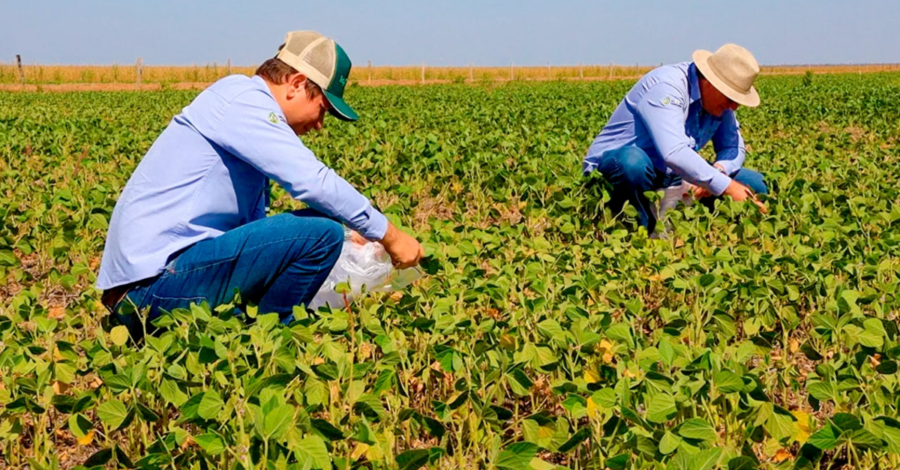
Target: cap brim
x=339, y=108
x=701, y=60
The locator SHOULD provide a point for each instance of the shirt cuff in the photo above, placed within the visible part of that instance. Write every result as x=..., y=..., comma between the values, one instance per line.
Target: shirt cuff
x=719, y=183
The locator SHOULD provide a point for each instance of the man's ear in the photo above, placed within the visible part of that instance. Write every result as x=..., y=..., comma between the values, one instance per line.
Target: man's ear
x=296, y=85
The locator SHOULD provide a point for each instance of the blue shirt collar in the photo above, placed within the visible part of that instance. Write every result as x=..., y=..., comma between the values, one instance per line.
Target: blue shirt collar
x=694, y=82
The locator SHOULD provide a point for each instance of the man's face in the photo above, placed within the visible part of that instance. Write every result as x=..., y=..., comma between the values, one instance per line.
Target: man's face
x=304, y=114
x=713, y=101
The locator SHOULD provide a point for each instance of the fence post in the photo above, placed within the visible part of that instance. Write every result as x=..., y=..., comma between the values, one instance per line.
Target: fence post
x=423, y=72
x=581, y=70
x=228, y=70
x=21, y=71
x=610, y=70
x=549, y=72
x=369, y=72
x=140, y=70
x=512, y=75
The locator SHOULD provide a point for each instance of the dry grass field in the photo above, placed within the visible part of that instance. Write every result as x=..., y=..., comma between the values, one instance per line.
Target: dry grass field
x=105, y=77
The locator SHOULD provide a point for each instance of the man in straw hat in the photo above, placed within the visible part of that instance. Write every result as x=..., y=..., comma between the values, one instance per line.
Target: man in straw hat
x=652, y=139
x=191, y=224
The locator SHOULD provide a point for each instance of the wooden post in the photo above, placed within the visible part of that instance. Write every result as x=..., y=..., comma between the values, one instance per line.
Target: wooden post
x=228, y=69
x=140, y=70
x=581, y=70
x=423, y=72
x=471, y=73
x=21, y=70
x=610, y=70
x=369, y=71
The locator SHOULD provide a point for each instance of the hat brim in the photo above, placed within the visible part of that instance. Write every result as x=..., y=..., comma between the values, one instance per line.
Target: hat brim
x=750, y=99
x=339, y=108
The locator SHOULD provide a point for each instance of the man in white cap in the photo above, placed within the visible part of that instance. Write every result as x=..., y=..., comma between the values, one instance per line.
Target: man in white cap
x=191, y=224
x=652, y=138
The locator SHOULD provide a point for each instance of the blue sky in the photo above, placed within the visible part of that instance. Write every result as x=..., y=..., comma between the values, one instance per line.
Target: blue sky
x=440, y=32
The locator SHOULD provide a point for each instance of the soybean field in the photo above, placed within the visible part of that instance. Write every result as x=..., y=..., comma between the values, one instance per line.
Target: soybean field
x=547, y=334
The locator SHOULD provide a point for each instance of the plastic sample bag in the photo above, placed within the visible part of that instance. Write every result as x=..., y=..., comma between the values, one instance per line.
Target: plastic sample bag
x=365, y=267
x=671, y=197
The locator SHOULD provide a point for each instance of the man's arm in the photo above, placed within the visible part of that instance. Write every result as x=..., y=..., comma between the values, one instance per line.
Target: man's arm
x=247, y=132
x=661, y=111
x=729, y=144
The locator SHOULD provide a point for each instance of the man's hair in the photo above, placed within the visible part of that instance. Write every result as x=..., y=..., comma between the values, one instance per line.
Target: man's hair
x=276, y=71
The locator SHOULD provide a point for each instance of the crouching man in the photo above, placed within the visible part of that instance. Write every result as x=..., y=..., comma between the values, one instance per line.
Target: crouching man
x=652, y=138
x=191, y=226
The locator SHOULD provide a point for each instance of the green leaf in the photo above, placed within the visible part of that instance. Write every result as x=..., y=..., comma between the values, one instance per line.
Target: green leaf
x=113, y=413
x=79, y=426
x=825, y=438
x=517, y=456
x=621, y=332
x=728, y=382
x=892, y=438
x=211, y=443
x=822, y=391
x=576, y=439
x=119, y=335
x=277, y=421
x=552, y=330
x=669, y=443
x=412, y=459
x=312, y=450
x=864, y=439
x=662, y=408
x=742, y=463
x=696, y=428
x=210, y=405
x=99, y=458
x=706, y=459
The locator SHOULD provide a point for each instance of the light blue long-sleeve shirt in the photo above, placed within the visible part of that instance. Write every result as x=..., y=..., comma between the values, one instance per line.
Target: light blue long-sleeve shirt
x=207, y=174
x=663, y=115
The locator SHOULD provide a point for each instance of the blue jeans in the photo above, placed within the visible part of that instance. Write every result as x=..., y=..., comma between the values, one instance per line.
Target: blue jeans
x=631, y=173
x=276, y=263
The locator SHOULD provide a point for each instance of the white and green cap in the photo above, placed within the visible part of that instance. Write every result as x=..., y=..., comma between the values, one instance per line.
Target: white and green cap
x=325, y=63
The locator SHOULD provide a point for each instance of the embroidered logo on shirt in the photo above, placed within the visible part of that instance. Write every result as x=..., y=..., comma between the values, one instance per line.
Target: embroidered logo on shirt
x=666, y=101
x=273, y=118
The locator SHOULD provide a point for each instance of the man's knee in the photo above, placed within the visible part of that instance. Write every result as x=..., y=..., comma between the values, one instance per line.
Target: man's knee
x=634, y=167
x=753, y=180
x=328, y=232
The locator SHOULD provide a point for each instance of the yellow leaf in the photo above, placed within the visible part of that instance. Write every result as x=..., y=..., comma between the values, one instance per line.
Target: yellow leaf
x=359, y=451
x=591, y=376
x=592, y=409
x=605, y=348
x=375, y=454
x=87, y=439
x=60, y=388
x=803, y=431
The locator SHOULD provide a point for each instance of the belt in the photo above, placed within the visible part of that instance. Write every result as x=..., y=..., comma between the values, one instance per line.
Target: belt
x=111, y=298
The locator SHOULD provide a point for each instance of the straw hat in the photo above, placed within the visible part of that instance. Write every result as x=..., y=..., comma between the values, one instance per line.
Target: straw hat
x=732, y=70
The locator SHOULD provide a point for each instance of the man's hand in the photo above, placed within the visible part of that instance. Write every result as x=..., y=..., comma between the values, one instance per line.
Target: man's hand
x=739, y=192
x=735, y=190
x=405, y=250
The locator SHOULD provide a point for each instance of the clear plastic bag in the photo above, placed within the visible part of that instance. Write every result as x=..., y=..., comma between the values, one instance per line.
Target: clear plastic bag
x=365, y=267
x=671, y=197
